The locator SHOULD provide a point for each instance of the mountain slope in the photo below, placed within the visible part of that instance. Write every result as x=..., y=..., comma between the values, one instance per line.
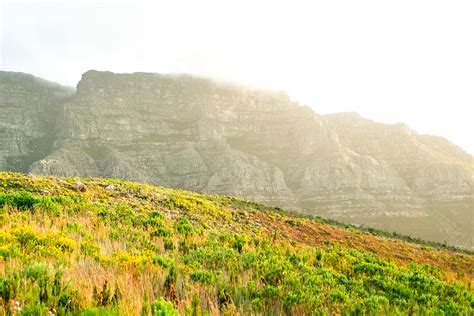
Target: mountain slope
x=120, y=246
x=192, y=133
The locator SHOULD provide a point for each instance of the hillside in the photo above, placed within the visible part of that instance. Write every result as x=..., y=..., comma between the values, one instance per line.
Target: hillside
x=192, y=133
x=114, y=246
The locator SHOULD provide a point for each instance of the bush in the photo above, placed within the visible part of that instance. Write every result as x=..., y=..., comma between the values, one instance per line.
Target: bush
x=168, y=244
x=163, y=261
x=39, y=287
x=9, y=287
x=47, y=205
x=239, y=242
x=34, y=310
x=163, y=307
x=37, y=271
x=338, y=296
x=161, y=232
x=183, y=226
x=21, y=200
x=204, y=277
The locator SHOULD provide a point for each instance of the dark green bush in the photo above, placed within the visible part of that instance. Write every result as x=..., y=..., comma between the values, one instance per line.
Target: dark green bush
x=204, y=277
x=163, y=261
x=21, y=200
x=161, y=232
x=168, y=244
x=183, y=226
x=40, y=288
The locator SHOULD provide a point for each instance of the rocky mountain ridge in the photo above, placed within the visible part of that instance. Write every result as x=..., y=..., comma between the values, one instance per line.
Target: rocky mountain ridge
x=193, y=133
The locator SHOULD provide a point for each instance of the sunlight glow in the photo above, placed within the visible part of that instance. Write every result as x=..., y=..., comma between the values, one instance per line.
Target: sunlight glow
x=398, y=61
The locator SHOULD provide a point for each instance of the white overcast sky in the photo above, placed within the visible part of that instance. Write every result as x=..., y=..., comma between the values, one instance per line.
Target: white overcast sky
x=406, y=61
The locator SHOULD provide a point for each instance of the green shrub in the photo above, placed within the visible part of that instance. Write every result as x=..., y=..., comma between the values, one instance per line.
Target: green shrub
x=34, y=310
x=163, y=261
x=338, y=296
x=168, y=244
x=9, y=287
x=156, y=215
x=21, y=200
x=239, y=242
x=183, y=226
x=204, y=277
x=161, y=232
x=48, y=205
x=24, y=200
x=163, y=307
x=37, y=271
x=38, y=287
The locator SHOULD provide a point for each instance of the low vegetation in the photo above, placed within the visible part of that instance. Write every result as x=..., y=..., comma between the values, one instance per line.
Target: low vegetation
x=121, y=248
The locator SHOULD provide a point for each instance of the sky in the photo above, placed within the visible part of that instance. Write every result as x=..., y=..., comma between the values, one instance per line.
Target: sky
x=408, y=61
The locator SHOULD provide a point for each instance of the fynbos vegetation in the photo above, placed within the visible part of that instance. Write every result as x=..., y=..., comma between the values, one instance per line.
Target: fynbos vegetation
x=124, y=248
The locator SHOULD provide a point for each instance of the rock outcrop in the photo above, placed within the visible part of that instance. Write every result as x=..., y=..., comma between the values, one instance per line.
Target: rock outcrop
x=192, y=133
x=29, y=107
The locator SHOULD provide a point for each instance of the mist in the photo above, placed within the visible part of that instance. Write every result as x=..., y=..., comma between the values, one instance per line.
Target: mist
x=409, y=61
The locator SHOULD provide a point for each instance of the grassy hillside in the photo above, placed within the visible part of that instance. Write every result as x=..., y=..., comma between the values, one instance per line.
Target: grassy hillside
x=126, y=248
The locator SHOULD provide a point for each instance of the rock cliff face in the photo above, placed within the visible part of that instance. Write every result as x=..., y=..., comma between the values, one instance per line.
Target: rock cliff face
x=196, y=134
x=29, y=107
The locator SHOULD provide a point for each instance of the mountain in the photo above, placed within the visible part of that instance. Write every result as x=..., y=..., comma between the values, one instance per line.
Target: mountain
x=192, y=133
x=29, y=108
x=95, y=246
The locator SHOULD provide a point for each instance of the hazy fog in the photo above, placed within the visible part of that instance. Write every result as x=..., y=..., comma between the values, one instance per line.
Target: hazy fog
x=410, y=61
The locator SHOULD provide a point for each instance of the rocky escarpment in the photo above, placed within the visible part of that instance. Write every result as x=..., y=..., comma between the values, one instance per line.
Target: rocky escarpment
x=437, y=175
x=29, y=107
x=196, y=134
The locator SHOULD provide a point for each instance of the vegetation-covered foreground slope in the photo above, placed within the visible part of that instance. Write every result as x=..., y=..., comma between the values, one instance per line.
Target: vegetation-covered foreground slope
x=126, y=248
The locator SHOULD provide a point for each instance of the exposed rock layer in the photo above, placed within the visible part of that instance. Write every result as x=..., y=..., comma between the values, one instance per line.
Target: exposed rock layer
x=192, y=133
x=29, y=107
